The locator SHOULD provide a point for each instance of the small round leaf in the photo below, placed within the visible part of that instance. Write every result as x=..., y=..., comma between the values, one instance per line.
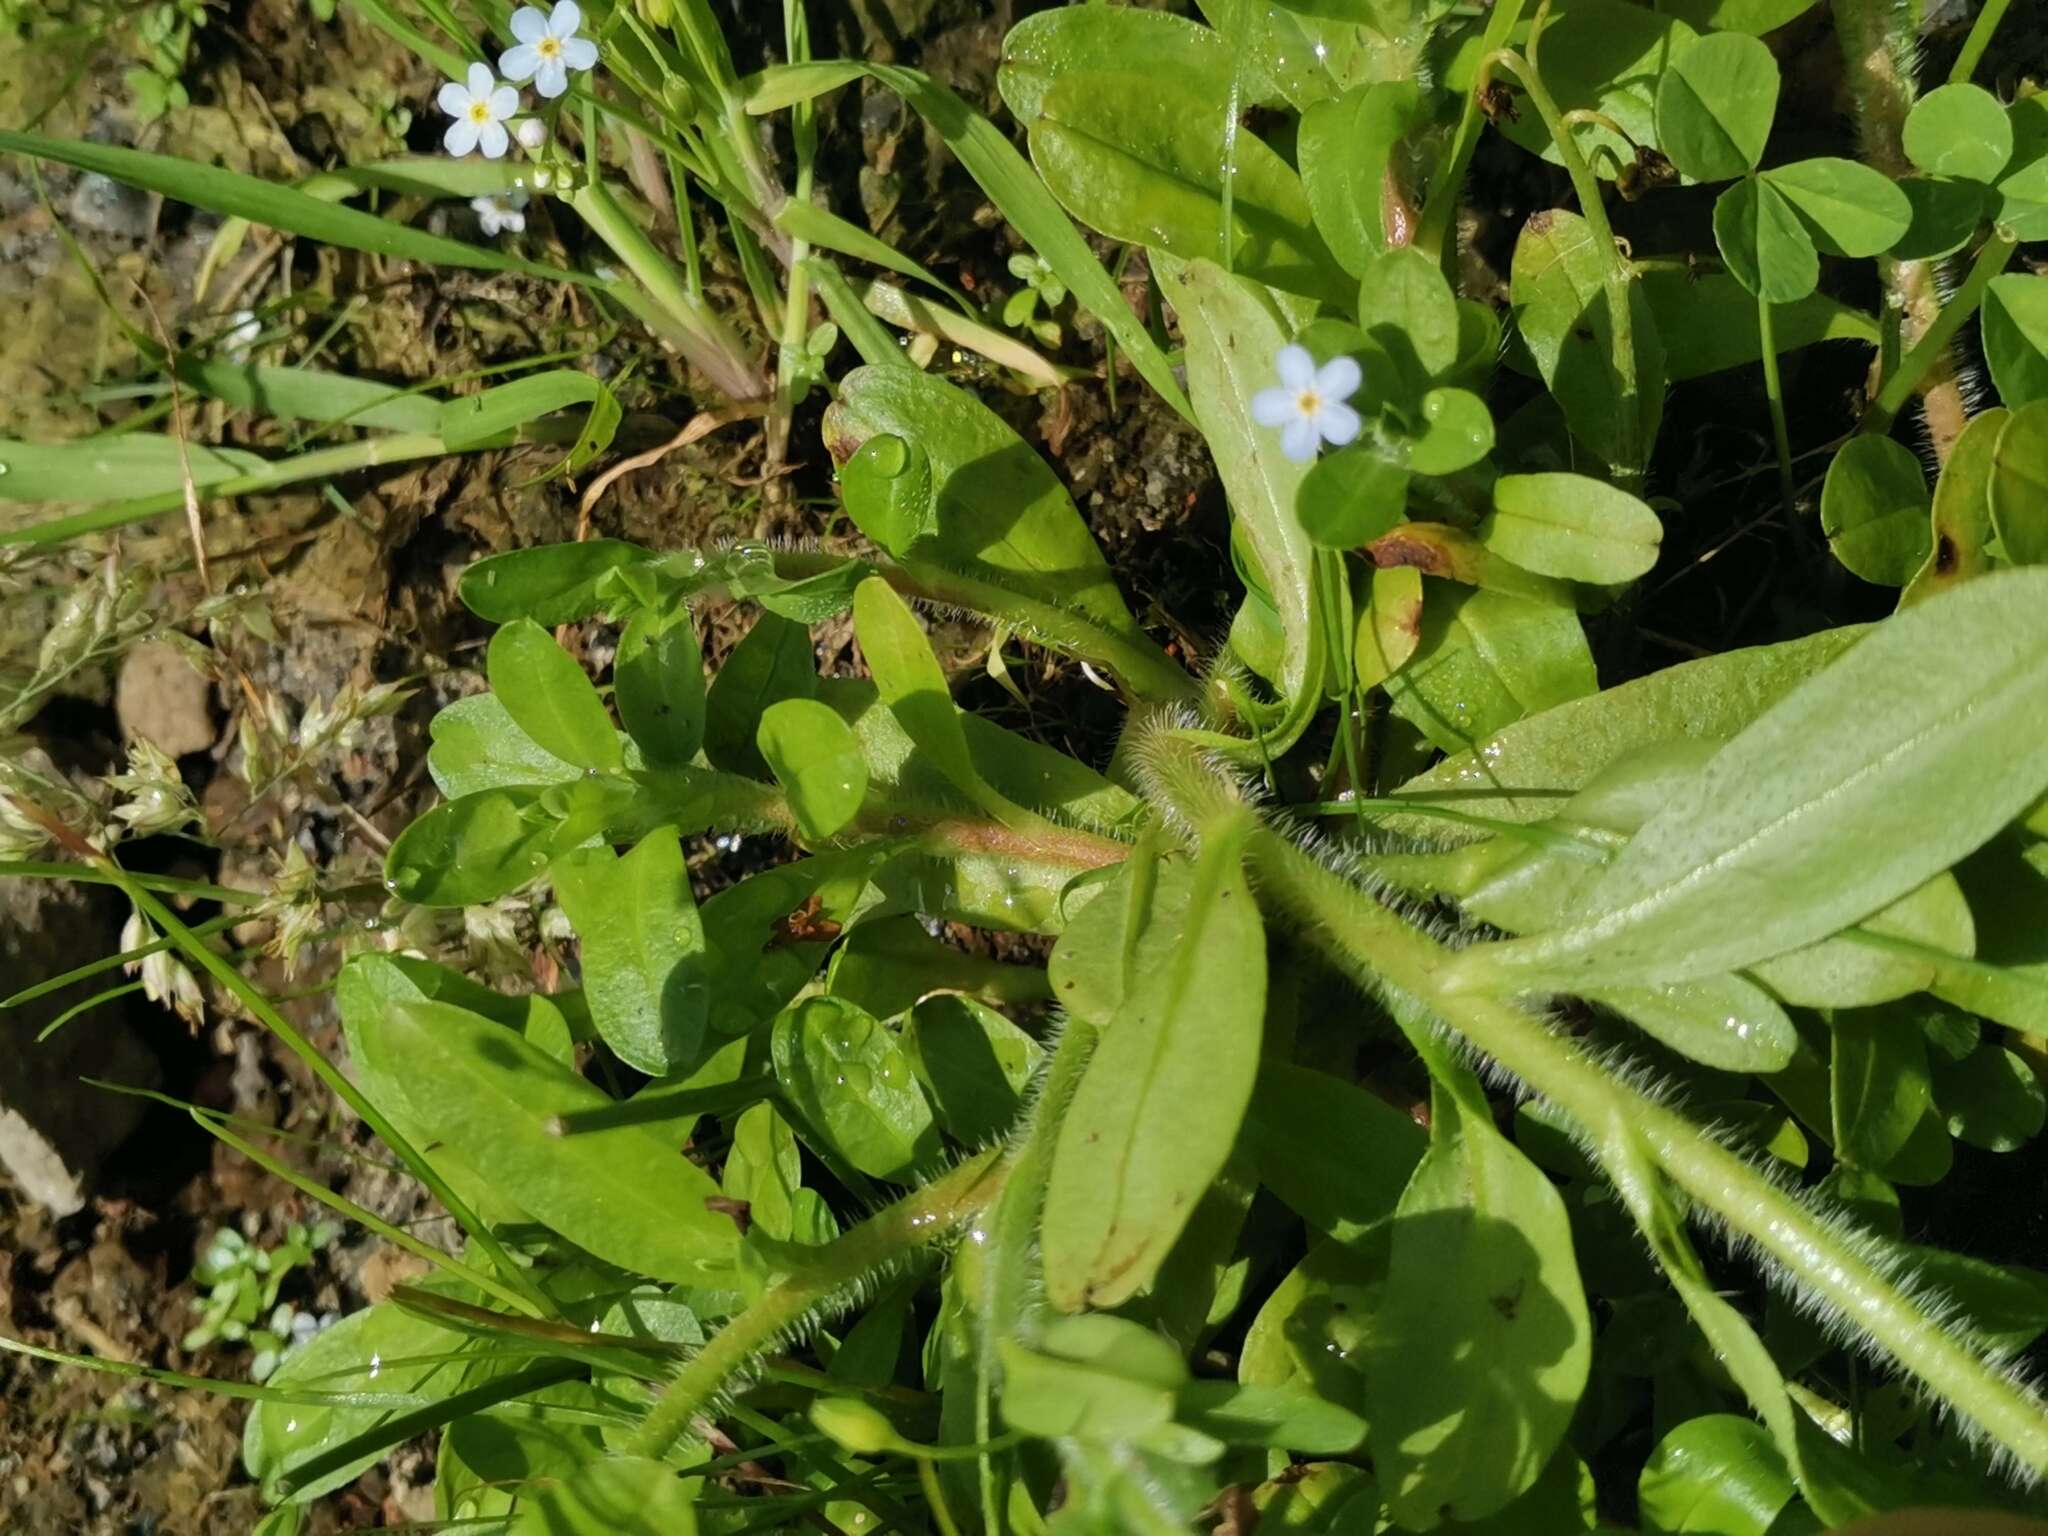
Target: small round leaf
x=816, y=759
x=1458, y=434
x=1874, y=509
x=1946, y=213
x=1351, y=498
x=1959, y=130
x=1848, y=209
x=2019, y=486
x=1715, y=105
x=1764, y=243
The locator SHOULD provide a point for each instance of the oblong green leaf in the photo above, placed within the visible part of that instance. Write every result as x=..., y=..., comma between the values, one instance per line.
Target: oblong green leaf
x=115, y=467
x=658, y=683
x=1959, y=130
x=618, y=1496
x=1482, y=1254
x=817, y=760
x=624, y=1192
x=850, y=1078
x=1815, y=815
x=646, y=975
x=2015, y=321
x=1159, y=1107
x=2019, y=486
x=1717, y=1473
x=1848, y=208
x=1572, y=527
x=549, y=696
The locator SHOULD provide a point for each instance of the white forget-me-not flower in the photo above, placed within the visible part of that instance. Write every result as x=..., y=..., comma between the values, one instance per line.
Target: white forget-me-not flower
x=548, y=47
x=1308, y=403
x=479, y=108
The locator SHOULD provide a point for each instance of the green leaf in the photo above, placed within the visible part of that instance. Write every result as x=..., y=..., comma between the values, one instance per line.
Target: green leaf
x=1350, y=498
x=2023, y=190
x=1520, y=773
x=553, y=584
x=850, y=1078
x=1848, y=208
x=1457, y=433
x=1879, y=1087
x=1283, y=55
x=1336, y=1155
x=477, y=745
x=1485, y=660
x=1723, y=1022
x=1718, y=1475
x=1001, y=515
x=1482, y=1258
x=1053, y=45
x=1234, y=334
x=1962, y=510
x=549, y=697
x=281, y=208
x=786, y=85
x=1755, y=17
x=1140, y=157
x=899, y=656
x=1874, y=508
x=772, y=662
x=1765, y=243
x=473, y=849
x=658, y=684
x=1991, y=1098
x=645, y=971
x=281, y=1441
x=2015, y=322
x=1288, y=1418
x=1815, y=815
x=1946, y=216
x=1563, y=308
x=1715, y=105
x=1571, y=527
x=311, y=394
x=764, y=1168
x=2019, y=486
x=618, y=1496
x=1159, y=1106
x=1345, y=148
x=115, y=467
x=1409, y=312
x=623, y=1193
x=817, y=761
x=1959, y=130
x=975, y=1064
x=1850, y=971
x=1389, y=626
x=483, y=420
x=1608, y=57
x=886, y=488
x=889, y=964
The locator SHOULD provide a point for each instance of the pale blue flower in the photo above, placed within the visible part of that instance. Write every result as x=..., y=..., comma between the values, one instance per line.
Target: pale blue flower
x=548, y=47
x=1308, y=403
x=479, y=108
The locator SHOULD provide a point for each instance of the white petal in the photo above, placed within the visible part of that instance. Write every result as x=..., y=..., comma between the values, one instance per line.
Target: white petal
x=503, y=103
x=579, y=53
x=1298, y=439
x=530, y=132
x=1275, y=407
x=551, y=79
x=494, y=140
x=519, y=63
x=454, y=99
x=529, y=24
x=567, y=18
x=460, y=138
x=1338, y=423
x=516, y=222
x=481, y=80
x=1339, y=378
x=1296, y=368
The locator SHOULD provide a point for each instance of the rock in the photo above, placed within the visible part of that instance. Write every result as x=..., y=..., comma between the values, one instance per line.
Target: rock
x=160, y=698
x=56, y=1131
x=112, y=208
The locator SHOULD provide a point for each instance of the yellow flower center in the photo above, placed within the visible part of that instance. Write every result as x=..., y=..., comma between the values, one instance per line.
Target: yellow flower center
x=479, y=111
x=1308, y=402
x=548, y=47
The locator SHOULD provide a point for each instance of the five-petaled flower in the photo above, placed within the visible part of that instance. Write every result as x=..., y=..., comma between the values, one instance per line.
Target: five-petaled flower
x=548, y=47
x=1308, y=403
x=501, y=211
x=479, y=109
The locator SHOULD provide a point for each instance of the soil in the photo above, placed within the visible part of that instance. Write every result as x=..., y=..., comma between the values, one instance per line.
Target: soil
x=362, y=592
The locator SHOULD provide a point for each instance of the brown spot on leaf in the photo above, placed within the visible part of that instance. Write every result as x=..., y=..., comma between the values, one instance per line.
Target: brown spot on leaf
x=1946, y=556
x=1402, y=548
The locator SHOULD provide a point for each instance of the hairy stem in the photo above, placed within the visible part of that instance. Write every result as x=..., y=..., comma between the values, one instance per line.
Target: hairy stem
x=917, y=1221
x=1931, y=352
x=1879, y=43
x=1363, y=936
